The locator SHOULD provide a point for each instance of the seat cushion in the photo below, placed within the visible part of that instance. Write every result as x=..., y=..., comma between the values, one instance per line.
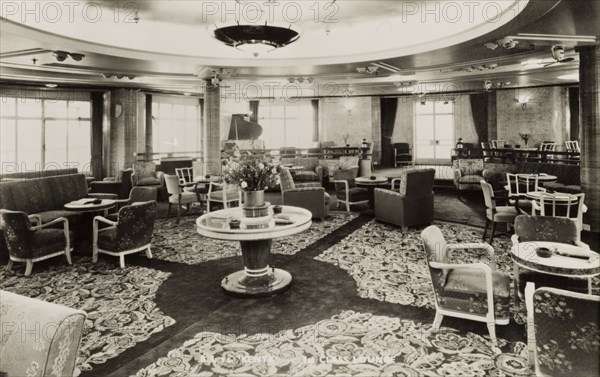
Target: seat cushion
x=218, y=195
x=356, y=194
x=470, y=179
x=147, y=181
x=186, y=197
x=107, y=239
x=47, y=241
x=306, y=176
x=504, y=214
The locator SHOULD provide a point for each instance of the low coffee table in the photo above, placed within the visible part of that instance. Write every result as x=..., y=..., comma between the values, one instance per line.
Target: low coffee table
x=88, y=205
x=371, y=184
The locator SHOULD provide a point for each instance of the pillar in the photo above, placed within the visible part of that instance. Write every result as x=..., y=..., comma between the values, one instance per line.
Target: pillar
x=589, y=132
x=212, y=129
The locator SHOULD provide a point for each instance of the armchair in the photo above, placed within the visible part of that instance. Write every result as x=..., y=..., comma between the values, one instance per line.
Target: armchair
x=412, y=204
x=402, y=154
x=29, y=244
x=570, y=206
x=562, y=332
x=130, y=234
x=350, y=163
x=494, y=213
x=119, y=185
x=145, y=174
x=312, y=171
x=472, y=291
x=137, y=194
x=222, y=193
x=346, y=190
x=467, y=174
x=180, y=197
x=310, y=196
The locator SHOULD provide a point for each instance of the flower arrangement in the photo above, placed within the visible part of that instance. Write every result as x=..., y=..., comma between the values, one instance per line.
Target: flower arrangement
x=250, y=175
x=524, y=136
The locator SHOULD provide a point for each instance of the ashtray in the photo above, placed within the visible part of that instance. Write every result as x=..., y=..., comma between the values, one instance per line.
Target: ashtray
x=234, y=224
x=372, y=177
x=544, y=252
x=277, y=209
x=207, y=176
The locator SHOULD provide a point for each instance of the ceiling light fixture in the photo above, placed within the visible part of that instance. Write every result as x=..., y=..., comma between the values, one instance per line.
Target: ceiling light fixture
x=50, y=85
x=368, y=70
x=256, y=39
x=60, y=55
x=77, y=57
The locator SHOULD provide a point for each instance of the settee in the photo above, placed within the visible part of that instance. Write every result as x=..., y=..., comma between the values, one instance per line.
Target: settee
x=45, y=198
x=19, y=176
x=38, y=338
x=311, y=172
x=568, y=175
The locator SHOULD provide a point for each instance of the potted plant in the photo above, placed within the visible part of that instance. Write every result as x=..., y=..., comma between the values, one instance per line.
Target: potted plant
x=253, y=177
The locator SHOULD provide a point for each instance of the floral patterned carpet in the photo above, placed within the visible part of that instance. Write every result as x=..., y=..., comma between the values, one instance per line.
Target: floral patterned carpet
x=349, y=344
x=182, y=244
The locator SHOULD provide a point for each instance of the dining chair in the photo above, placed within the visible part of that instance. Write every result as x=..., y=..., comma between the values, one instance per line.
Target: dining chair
x=224, y=194
x=518, y=185
x=473, y=291
x=132, y=232
x=186, y=178
x=562, y=332
x=494, y=213
x=572, y=146
x=179, y=197
x=558, y=204
x=30, y=244
x=402, y=154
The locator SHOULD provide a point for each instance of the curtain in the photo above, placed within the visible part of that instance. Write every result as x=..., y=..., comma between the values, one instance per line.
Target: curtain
x=479, y=109
x=315, y=119
x=97, y=134
x=574, y=109
x=389, y=107
x=254, y=109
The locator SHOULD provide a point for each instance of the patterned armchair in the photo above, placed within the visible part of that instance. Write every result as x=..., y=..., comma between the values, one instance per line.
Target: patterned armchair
x=310, y=196
x=346, y=190
x=119, y=185
x=145, y=174
x=467, y=174
x=562, y=332
x=51, y=349
x=130, y=234
x=137, y=194
x=412, y=204
x=551, y=229
x=29, y=244
x=311, y=172
x=472, y=291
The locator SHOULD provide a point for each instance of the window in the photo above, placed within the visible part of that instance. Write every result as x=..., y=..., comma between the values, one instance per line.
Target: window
x=286, y=124
x=434, y=131
x=176, y=125
x=44, y=134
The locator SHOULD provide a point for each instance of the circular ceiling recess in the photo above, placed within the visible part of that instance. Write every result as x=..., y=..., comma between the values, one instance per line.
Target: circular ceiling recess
x=331, y=32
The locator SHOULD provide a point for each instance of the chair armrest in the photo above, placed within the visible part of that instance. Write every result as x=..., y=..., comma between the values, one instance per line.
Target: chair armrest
x=304, y=189
x=345, y=182
x=102, y=219
x=394, y=180
x=308, y=184
x=37, y=219
x=582, y=244
x=55, y=221
x=474, y=245
x=514, y=239
x=214, y=184
x=388, y=192
x=161, y=177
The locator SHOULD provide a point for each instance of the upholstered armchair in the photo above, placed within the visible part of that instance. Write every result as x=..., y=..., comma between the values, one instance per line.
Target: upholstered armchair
x=350, y=163
x=495, y=213
x=145, y=174
x=29, y=244
x=119, y=185
x=412, y=204
x=179, y=197
x=130, y=234
x=550, y=229
x=402, y=154
x=38, y=338
x=562, y=332
x=346, y=190
x=138, y=194
x=311, y=172
x=310, y=196
x=467, y=174
x=472, y=291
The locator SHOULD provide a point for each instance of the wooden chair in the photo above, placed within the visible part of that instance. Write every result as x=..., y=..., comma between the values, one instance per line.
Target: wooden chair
x=558, y=204
x=224, y=194
x=186, y=181
x=402, y=154
x=517, y=186
x=346, y=190
x=473, y=291
x=130, y=234
x=30, y=244
x=179, y=197
x=562, y=338
x=495, y=214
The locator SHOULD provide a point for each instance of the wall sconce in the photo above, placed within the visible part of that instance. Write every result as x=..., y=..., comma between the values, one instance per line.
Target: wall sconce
x=523, y=101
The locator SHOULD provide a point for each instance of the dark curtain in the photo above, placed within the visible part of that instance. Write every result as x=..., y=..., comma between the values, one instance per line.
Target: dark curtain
x=97, y=134
x=479, y=109
x=389, y=107
x=574, y=108
x=254, y=109
x=149, y=123
x=315, y=123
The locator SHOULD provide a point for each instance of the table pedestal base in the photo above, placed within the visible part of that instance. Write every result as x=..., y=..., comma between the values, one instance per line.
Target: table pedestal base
x=257, y=279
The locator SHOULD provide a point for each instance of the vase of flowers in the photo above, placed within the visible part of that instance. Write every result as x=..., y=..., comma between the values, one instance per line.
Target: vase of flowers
x=253, y=177
x=524, y=136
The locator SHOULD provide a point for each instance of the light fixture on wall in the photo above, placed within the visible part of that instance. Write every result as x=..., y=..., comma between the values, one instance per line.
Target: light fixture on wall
x=256, y=39
x=523, y=101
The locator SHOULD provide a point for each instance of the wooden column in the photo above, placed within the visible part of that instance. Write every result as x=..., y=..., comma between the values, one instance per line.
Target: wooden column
x=589, y=132
x=212, y=129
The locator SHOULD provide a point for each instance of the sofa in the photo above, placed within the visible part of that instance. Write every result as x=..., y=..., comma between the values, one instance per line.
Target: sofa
x=45, y=198
x=312, y=171
x=38, y=338
x=19, y=176
x=568, y=176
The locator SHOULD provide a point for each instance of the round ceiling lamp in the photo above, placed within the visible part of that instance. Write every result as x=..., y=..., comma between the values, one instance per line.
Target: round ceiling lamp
x=256, y=39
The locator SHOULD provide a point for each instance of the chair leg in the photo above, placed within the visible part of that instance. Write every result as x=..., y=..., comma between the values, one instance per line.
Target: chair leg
x=487, y=224
x=207, y=206
x=122, y=261
x=347, y=206
x=437, y=321
x=149, y=253
x=9, y=266
x=68, y=256
x=404, y=229
x=28, y=267
x=492, y=329
x=492, y=232
x=178, y=212
x=95, y=254
x=169, y=210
